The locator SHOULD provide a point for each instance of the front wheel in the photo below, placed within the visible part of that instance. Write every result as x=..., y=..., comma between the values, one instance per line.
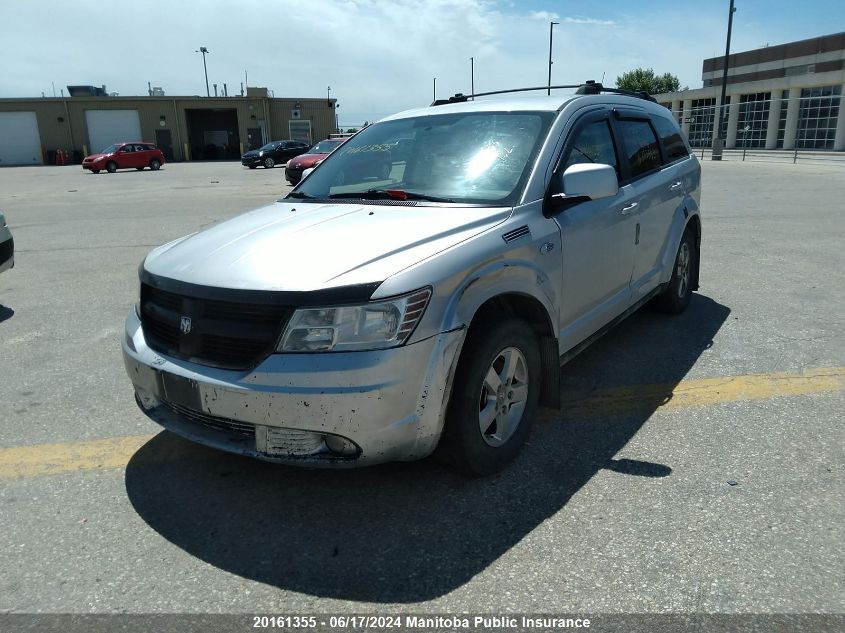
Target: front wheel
x=140, y=168
x=111, y=167
x=95, y=171
x=155, y=164
x=269, y=163
x=494, y=397
x=678, y=293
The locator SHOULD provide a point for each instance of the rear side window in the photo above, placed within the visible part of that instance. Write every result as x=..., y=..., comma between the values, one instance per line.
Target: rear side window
x=673, y=144
x=641, y=147
x=593, y=144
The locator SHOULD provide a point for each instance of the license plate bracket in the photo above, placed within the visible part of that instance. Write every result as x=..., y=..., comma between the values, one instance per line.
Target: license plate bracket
x=183, y=392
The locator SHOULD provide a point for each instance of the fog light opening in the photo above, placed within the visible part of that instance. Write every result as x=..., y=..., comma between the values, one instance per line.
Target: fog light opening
x=341, y=446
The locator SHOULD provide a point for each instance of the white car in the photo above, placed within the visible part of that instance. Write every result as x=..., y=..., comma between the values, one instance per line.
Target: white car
x=7, y=246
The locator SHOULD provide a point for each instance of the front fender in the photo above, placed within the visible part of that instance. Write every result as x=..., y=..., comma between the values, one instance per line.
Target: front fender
x=507, y=276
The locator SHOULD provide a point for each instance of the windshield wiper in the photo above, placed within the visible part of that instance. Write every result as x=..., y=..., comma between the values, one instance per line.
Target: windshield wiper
x=299, y=194
x=390, y=194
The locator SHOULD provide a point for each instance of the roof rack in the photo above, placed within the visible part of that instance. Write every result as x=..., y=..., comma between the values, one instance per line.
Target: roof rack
x=587, y=88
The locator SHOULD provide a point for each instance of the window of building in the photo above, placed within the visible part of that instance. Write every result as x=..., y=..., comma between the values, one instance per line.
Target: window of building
x=817, y=115
x=784, y=106
x=753, y=119
x=702, y=114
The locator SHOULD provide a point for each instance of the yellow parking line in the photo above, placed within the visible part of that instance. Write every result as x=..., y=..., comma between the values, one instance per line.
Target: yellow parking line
x=52, y=459
x=701, y=392
x=115, y=452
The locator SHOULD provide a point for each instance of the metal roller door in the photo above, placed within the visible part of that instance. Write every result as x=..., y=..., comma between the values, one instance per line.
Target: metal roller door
x=20, y=143
x=111, y=126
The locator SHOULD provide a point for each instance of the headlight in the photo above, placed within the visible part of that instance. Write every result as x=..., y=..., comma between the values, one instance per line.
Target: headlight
x=376, y=325
x=261, y=153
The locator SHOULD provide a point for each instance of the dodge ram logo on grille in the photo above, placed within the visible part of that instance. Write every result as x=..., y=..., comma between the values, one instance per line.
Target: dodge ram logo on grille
x=185, y=325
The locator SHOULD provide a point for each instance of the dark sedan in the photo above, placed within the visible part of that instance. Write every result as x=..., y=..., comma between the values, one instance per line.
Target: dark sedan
x=275, y=152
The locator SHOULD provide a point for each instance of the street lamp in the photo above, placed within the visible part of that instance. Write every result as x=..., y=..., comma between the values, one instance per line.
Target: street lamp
x=472, y=76
x=718, y=142
x=551, y=27
x=329, y=96
x=204, y=52
x=434, y=90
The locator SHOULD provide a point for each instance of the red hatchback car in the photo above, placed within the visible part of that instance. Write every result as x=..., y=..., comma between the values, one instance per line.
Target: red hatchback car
x=125, y=156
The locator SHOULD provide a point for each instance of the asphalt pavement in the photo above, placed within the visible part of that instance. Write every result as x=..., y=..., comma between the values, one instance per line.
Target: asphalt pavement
x=697, y=466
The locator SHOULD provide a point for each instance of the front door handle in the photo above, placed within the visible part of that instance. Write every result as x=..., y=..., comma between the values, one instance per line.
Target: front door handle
x=630, y=208
x=676, y=185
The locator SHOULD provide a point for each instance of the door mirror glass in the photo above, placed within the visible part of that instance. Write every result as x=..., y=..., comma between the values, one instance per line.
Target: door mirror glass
x=590, y=180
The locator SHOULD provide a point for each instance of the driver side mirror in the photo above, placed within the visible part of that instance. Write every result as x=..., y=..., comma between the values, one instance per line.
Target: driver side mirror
x=585, y=181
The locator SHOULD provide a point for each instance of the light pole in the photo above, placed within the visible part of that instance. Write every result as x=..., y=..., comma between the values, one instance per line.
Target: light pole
x=472, y=76
x=434, y=90
x=551, y=30
x=204, y=52
x=718, y=142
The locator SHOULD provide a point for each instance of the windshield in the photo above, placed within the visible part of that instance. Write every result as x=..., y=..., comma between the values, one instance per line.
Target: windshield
x=269, y=146
x=472, y=157
x=110, y=149
x=325, y=147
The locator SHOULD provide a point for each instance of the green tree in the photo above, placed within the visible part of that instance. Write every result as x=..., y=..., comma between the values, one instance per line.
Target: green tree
x=645, y=79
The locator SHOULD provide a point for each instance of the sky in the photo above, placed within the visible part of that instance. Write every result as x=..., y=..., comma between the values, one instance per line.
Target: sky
x=377, y=56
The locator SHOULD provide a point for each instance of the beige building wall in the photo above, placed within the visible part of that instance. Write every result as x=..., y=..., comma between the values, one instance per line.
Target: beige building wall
x=62, y=121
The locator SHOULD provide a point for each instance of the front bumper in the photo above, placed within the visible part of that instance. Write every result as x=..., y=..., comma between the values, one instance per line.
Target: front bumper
x=294, y=175
x=390, y=403
x=7, y=253
x=247, y=161
x=92, y=166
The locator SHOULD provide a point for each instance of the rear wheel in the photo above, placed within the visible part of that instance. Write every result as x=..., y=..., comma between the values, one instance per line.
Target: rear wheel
x=155, y=164
x=269, y=163
x=494, y=397
x=678, y=293
x=111, y=167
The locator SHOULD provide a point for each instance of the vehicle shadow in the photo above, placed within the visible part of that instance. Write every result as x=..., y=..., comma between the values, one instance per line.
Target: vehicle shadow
x=5, y=313
x=411, y=532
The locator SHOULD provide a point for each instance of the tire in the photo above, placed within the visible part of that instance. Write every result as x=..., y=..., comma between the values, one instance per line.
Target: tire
x=269, y=163
x=111, y=167
x=95, y=171
x=155, y=165
x=494, y=396
x=140, y=168
x=678, y=293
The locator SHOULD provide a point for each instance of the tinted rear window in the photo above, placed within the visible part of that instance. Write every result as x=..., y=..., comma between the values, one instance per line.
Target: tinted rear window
x=673, y=144
x=641, y=147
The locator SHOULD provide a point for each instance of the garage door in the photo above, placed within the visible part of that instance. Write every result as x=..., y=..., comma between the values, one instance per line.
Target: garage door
x=20, y=143
x=111, y=126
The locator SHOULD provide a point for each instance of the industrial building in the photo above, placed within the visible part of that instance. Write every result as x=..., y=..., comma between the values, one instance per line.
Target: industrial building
x=778, y=97
x=184, y=128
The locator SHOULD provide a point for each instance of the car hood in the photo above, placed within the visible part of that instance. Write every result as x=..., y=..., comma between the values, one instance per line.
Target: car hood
x=304, y=161
x=93, y=157
x=251, y=153
x=309, y=246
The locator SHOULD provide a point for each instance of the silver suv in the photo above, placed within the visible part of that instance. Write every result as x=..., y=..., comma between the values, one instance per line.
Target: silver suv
x=371, y=316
